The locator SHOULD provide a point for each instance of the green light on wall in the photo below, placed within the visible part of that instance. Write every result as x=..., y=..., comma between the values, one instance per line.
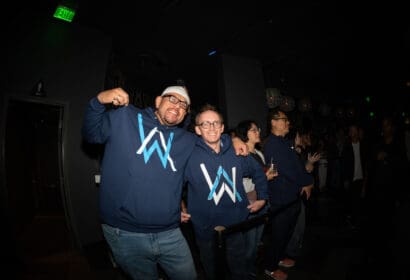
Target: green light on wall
x=367, y=99
x=64, y=13
x=371, y=114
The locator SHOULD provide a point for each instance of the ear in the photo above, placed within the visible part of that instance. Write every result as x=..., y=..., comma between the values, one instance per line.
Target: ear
x=222, y=128
x=158, y=100
x=197, y=130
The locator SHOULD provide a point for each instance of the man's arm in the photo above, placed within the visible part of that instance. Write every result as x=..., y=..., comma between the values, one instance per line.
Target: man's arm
x=116, y=96
x=241, y=149
x=261, y=184
x=93, y=129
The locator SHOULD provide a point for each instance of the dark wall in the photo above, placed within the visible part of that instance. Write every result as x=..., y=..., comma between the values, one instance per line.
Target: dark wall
x=243, y=90
x=71, y=61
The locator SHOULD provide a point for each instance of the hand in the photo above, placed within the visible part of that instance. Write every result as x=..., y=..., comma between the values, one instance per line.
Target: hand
x=185, y=217
x=307, y=190
x=270, y=174
x=116, y=96
x=241, y=149
x=256, y=205
x=313, y=158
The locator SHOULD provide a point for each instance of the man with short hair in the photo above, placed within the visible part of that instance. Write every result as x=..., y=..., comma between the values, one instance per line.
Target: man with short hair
x=284, y=192
x=217, y=196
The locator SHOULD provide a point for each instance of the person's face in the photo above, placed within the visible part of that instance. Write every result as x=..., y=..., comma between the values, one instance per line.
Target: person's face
x=280, y=124
x=354, y=133
x=169, y=113
x=254, y=136
x=209, y=127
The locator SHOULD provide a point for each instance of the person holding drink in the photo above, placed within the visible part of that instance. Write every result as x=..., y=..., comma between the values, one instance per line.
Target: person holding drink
x=249, y=132
x=284, y=192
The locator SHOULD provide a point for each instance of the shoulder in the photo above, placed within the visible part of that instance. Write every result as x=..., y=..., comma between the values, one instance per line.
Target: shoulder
x=226, y=142
x=260, y=154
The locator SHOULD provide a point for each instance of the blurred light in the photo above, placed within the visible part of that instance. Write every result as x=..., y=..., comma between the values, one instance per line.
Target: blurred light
x=371, y=114
x=367, y=99
x=287, y=103
x=273, y=97
x=305, y=104
x=211, y=53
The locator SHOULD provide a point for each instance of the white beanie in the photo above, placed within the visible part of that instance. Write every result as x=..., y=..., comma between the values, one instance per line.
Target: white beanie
x=179, y=90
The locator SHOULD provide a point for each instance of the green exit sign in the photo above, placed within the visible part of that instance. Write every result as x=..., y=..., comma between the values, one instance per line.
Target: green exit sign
x=64, y=13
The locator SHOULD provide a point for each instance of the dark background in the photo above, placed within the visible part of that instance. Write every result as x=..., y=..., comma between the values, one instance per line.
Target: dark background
x=319, y=48
x=334, y=52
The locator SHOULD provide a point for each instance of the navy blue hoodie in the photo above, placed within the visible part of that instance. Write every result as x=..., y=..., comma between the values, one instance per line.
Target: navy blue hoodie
x=292, y=175
x=215, y=191
x=142, y=167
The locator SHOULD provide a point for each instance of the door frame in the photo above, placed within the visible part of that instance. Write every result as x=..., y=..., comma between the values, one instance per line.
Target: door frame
x=62, y=139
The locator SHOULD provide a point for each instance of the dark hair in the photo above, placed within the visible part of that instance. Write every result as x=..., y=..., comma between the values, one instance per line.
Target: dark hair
x=301, y=130
x=242, y=129
x=208, y=107
x=274, y=113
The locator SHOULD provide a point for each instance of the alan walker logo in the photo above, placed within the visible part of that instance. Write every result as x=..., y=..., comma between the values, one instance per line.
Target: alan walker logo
x=229, y=187
x=162, y=149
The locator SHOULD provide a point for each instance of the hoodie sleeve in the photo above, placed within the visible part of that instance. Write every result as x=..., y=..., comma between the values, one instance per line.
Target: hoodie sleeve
x=291, y=171
x=95, y=127
x=253, y=169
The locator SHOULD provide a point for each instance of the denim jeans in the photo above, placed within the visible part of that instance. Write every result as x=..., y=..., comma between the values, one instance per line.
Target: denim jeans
x=235, y=265
x=253, y=237
x=139, y=253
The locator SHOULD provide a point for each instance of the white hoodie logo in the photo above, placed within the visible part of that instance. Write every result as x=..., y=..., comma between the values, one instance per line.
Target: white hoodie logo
x=229, y=186
x=148, y=151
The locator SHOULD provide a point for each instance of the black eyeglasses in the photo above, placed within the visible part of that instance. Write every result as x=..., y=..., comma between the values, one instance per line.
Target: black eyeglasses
x=207, y=125
x=285, y=119
x=174, y=100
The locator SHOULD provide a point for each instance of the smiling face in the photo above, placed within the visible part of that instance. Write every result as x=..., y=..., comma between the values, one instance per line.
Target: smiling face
x=168, y=113
x=210, y=127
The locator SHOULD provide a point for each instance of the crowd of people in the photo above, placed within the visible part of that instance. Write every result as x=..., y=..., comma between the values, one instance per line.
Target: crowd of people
x=157, y=175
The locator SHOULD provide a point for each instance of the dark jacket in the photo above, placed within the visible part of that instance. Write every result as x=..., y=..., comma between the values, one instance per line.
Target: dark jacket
x=348, y=160
x=292, y=175
x=215, y=191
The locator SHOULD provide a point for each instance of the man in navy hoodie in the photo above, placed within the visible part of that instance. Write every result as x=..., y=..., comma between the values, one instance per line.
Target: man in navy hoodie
x=216, y=195
x=142, y=169
x=285, y=192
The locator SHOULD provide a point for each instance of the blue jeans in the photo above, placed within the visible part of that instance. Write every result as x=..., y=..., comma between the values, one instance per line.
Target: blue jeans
x=139, y=253
x=253, y=237
x=234, y=256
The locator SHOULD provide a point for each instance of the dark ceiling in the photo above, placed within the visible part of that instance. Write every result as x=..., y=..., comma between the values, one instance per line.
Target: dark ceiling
x=306, y=43
x=316, y=45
